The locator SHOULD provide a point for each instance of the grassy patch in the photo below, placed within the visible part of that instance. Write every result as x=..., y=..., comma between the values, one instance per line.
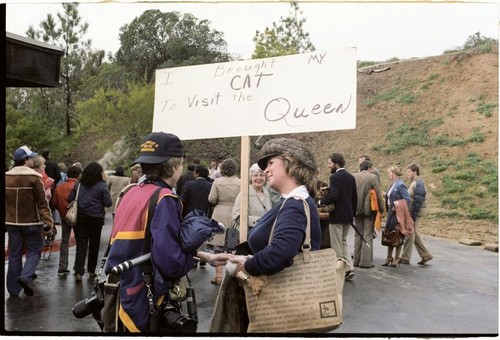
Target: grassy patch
x=406, y=135
x=397, y=94
x=430, y=81
x=447, y=214
x=486, y=109
x=442, y=140
x=464, y=185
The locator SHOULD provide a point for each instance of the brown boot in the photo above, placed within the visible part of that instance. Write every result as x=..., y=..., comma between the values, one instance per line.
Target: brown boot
x=425, y=259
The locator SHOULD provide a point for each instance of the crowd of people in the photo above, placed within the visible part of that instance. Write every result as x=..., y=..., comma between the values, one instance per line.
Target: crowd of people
x=38, y=192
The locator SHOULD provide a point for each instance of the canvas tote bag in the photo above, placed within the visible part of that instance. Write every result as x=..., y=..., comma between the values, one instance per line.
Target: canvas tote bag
x=73, y=209
x=306, y=297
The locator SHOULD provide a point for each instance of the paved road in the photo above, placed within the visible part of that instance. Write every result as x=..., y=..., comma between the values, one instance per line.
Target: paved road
x=455, y=294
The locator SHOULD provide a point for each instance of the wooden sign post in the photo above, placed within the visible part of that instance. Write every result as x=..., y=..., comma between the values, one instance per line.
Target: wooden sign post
x=245, y=165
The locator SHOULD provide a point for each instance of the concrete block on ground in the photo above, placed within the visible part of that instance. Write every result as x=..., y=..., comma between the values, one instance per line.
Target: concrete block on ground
x=491, y=247
x=469, y=242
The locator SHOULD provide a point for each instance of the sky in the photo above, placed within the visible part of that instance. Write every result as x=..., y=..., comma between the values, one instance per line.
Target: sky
x=379, y=31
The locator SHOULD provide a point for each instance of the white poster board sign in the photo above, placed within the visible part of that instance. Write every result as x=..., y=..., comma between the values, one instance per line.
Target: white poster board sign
x=298, y=93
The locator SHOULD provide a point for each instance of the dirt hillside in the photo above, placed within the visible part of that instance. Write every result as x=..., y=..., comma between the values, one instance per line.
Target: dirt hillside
x=441, y=113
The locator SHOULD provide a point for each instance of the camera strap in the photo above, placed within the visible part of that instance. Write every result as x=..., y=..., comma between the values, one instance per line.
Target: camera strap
x=147, y=267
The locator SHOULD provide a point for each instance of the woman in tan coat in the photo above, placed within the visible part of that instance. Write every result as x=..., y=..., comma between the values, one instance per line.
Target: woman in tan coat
x=116, y=183
x=222, y=196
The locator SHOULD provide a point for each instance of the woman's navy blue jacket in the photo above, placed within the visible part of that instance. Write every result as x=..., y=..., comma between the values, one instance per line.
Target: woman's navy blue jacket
x=288, y=237
x=92, y=200
x=398, y=192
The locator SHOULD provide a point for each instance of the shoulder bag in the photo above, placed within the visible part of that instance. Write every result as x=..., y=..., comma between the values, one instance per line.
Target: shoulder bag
x=72, y=213
x=305, y=297
x=232, y=237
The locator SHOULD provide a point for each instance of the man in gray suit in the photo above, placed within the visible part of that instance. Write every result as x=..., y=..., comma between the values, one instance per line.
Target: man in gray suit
x=365, y=217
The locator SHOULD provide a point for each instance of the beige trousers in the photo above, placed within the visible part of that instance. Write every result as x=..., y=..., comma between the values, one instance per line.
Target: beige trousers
x=416, y=240
x=338, y=241
x=363, y=255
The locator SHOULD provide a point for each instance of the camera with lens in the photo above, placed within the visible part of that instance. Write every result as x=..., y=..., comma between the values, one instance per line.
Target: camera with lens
x=177, y=322
x=90, y=305
x=174, y=321
x=50, y=233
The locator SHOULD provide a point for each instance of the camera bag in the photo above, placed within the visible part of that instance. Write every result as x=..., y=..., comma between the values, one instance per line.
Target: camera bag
x=111, y=297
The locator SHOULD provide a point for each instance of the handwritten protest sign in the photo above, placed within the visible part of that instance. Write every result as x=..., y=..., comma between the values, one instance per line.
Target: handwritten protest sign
x=298, y=93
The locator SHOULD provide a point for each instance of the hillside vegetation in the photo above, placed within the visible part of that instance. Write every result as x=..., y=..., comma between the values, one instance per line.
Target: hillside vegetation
x=439, y=112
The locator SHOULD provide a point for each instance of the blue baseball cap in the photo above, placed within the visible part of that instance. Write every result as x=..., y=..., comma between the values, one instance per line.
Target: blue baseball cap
x=157, y=147
x=23, y=152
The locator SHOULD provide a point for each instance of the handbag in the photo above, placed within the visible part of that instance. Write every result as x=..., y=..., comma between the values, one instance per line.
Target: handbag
x=392, y=238
x=232, y=237
x=72, y=213
x=306, y=296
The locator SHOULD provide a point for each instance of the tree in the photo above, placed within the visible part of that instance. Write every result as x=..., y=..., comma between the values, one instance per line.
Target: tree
x=287, y=37
x=109, y=76
x=69, y=31
x=156, y=39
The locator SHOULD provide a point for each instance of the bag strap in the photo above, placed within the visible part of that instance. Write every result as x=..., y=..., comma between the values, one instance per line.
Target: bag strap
x=147, y=266
x=306, y=245
x=77, y=192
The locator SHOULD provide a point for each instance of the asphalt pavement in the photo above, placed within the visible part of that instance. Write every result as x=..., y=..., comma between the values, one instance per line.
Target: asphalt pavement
x=455, y=294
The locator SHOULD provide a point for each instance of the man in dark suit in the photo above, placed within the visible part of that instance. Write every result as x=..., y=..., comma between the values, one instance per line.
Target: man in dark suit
x=195, y=193
x=186, y=177
x=343, y=193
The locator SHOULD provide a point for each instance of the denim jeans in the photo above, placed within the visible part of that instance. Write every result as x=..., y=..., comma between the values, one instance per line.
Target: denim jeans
x=20, y=237
x=63, y=255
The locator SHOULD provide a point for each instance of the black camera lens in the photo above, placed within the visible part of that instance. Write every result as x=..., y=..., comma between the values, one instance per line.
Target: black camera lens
x=88, y=306
x=46, y=227
x=179, y=323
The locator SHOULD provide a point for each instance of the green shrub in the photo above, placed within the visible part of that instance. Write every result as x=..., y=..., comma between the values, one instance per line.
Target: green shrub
x=479, y=44
x=486, y=109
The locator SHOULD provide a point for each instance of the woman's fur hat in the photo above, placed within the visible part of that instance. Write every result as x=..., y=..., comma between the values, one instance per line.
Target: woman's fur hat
x=282, y=146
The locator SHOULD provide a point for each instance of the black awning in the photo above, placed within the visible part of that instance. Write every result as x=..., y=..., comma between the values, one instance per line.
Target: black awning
x=31, y=63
